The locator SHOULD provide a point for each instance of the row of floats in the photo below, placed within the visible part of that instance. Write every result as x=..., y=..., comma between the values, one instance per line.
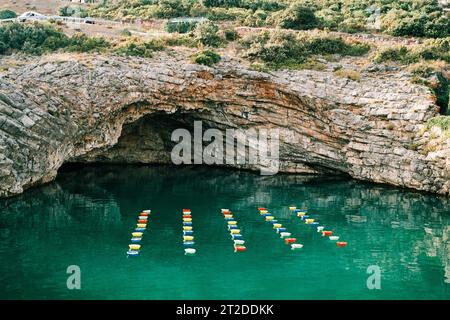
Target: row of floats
x=235, y=232
x=308, y=220
x=188, y=233
x=136, y=236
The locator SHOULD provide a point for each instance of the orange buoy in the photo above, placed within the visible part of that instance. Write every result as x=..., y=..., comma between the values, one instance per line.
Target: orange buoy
x=187, y=216
x=327, y=233
x=341, y=244
x=186, y=210
x=142, y=221
x=290, y=240
x=143, y=214
x=261, y=209
x=239, y=248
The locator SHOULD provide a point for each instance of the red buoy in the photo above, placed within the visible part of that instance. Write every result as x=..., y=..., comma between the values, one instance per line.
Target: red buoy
x=142, y=221
x=143, y=214
x=327, y=233
x=290, y=240
x=186, y=210
x=239, y=248
x=187, y=216
x=341, y=244
x=261, y=209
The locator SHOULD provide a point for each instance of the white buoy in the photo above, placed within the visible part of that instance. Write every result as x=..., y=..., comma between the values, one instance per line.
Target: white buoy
x=239, y=241
x=296, y=246
x=334, y=238
x=225, y=210
x=320, y=229
x=285, y=234
x=147, y=211
x=189, y=251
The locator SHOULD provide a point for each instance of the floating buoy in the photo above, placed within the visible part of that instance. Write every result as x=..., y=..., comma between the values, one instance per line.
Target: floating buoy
x=186, y=216
x=226, y=216
x=273, y=221
x=141, y=225
x=263, y=211
x=132, y=253
x=186, y=210
x=327, y=233
x=314, y=224
x=134, y=246
x=225, y=210
x=284, y=234
x=229, y=219
x=146, y=211
x=308, y=221
x=143, y=217
x=304, y=217
x=188, y=233
x=189, y=251
x=280, y=230
x=235, y=231
x=292, y=208
x=296, y=246
x=137, y=234
x=189, y=244
x=277, y=225
x=236, y=236
x=187, y=219
x=261, y=208
x=232, y=223
x=239, y=248
x=136, y=239
x=232, y=227
x=320, y=229
x=341, y=244
x=237, y=241
x=143, y=214
x=334, y=238
x=301, y=214
x=187, y=228
x=188, y=238
x=290, y=240
x=142, y=221
x=187, y=223
x=269, y=218
x=139, y=229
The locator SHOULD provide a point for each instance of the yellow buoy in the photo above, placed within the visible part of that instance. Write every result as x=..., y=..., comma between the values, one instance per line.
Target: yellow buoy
x=263, y=211
x=301, y=214
x=269, y=218
x=232, y=223
x=142, y=225
x=188, y=238
x=187, y=219
x=292, y=208
x=228, y=216
x=277, y=225
x=308, y=221
x=134, y=246
x=235, y=231
x=137, y=234
x=187, y=228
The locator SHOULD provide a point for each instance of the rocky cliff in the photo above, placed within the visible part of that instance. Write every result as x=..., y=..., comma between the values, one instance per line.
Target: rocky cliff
x=62, y=108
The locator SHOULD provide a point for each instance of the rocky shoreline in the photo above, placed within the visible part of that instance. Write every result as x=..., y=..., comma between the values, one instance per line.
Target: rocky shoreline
x=92, y=108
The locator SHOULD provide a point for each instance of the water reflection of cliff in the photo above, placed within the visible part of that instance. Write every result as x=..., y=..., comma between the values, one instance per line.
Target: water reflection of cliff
x=100, y=196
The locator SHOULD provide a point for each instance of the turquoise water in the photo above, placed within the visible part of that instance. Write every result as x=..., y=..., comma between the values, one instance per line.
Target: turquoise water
x=85, y=218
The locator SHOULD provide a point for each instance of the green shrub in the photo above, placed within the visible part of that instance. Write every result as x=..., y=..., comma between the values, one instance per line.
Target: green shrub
x=139, y=48
x=206, y=57
x=398, y=54
x=7, y=14
x=230, y=34
x=207, y=34
x=296, y=16
x=125, y=33
x=80, y=42
x=442, y=122
x=181, y=26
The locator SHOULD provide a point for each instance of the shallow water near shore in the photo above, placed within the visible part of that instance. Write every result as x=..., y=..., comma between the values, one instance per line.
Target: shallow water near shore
x=86, y=216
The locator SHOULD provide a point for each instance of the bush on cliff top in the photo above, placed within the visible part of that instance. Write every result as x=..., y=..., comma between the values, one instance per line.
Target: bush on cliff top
x=285, y=48
x=206, y=57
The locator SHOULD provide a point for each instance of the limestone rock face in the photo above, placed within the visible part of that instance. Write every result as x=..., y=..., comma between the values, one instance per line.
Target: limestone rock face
x=110, y=109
